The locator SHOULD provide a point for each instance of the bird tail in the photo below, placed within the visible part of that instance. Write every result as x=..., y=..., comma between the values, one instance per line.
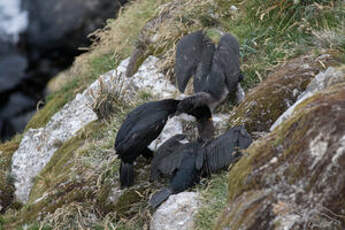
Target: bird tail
x=159, y=197
x=126, y=174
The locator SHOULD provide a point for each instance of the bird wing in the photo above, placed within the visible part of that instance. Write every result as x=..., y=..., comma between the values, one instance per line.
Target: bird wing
x=132, y=119
x=145, y=119
x=171, y=162
x=221, y=152
x=227, y=56
x=188, y=55
x=161, y=159
x=244, y=139
x=147, y=127
x=204, y=67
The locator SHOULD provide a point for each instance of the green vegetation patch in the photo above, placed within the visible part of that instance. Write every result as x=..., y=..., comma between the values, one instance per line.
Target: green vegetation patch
x=213, y=199
x=273, y=31
x=6, y=181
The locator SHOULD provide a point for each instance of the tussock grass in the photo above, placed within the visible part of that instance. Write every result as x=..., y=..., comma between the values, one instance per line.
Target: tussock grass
x=270, y=32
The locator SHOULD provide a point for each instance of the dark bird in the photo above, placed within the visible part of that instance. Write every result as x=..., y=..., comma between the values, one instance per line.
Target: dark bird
x=140, y=128
x=216, y=71
x=203, y=116
x=185, y=165
x=167, y=157
x=222, y=151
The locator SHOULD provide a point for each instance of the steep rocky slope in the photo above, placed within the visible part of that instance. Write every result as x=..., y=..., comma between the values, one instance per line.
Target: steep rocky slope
x=62, y=172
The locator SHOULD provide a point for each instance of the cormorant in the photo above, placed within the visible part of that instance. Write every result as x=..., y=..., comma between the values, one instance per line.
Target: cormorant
x=185, y=163
x=167, y=157
x=140, y=128
x=216, y=70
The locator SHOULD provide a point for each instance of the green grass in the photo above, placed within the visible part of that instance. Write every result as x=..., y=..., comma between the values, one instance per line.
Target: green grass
x=273, y=31
x=213, y=198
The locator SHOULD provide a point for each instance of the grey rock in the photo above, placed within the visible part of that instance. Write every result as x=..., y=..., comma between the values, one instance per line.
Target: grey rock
x=38, y=145
x=321, y=81
x=177, y=212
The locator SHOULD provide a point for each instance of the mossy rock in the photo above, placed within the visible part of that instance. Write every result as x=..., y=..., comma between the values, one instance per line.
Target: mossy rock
x=298, y=168
x=125, y=205
x=265, y=103
x=250, y=211
x=6, y=181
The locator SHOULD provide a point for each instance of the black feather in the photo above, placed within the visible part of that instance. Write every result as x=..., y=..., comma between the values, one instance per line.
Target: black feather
x=216, y=71
x=189, y=51
x=126, y=174
x=159, y=197
x=221, y=152
x=167, y=158
x=186, y=173
x=141, y=127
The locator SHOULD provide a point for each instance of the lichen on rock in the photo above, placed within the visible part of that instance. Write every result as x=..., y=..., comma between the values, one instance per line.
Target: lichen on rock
x=39, y=145
x=265, y=103
x=321, y=81
x=177, y=212
x=292, y=168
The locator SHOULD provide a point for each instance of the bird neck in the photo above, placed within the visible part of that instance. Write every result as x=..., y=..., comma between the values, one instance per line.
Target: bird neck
x=206, y=129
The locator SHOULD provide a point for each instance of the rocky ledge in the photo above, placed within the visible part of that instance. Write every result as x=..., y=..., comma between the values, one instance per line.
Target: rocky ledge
x=293, y=178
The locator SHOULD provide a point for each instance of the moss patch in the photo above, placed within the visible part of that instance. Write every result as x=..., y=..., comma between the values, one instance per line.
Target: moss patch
x=265, y=103
x=285, y=158
x=6, y=181
x=248, y=211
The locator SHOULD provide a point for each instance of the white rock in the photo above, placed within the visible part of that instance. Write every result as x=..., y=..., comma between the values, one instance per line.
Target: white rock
x=240, y=94
x=220, y=122
x=173, y=127
x=233, y=8
x=318, y=148
x=147, y=78
x=321, y=81
x=38, y=145
x=177, y=212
